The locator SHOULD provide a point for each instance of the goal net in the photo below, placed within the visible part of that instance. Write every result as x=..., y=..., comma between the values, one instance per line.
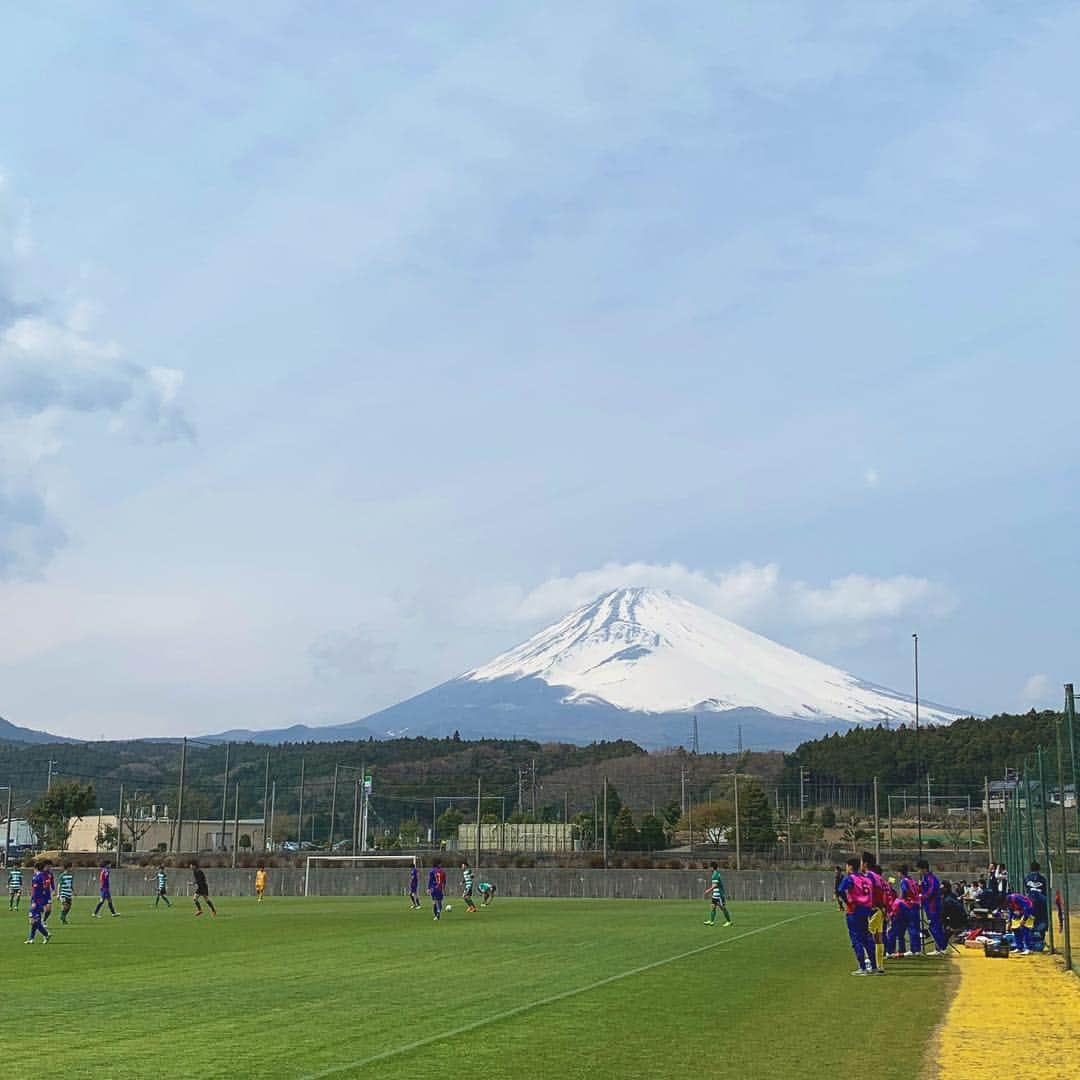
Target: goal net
x=314, y=862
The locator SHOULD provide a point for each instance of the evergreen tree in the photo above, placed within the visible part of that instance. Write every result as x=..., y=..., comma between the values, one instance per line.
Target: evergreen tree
x=757, y=822
x=652, y=836
x=624, y=834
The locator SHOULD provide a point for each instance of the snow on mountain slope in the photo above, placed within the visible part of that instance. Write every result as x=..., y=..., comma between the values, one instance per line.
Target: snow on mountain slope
x=645, y=650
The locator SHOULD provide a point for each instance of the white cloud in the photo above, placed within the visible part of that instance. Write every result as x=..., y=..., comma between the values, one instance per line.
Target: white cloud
x=52, y=368
x=871, y=477
x=749, y=592
x=1037, y=693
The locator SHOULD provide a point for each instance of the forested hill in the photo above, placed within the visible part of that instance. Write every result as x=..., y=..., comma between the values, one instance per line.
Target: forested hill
x=961, y=753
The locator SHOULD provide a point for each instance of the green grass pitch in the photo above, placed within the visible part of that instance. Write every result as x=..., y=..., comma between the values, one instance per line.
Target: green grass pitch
x=365, y=987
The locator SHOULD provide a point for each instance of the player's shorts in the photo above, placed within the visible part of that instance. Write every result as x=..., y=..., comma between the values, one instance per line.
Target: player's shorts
x=202, y=895
x=467, y=892
x=877, y=921
x=718, y=899
x=36, y=911
x=436, y=894
x=105, y=894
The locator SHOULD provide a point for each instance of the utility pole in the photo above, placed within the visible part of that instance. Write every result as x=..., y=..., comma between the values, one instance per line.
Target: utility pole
x=804, y=775
x=225, y=794
x=266, y=800
x=877, y=828
x=605, y=823
x=120, y=829
x=534, y=788
x=300, y=812
x=7, y=830
x=333, y=811
x=355, y=812
x=989, y=834
x=740, y=740
x=682, y=789
x=179, y=798
x=918, y=761
x=1064, y=842
x=236, y=822
x=48, y=782
x=738, y=841
x=269, y=837
x=478, y=801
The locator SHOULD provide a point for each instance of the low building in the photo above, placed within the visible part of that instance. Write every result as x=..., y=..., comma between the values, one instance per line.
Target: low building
x=519, y=836
x=163, y=834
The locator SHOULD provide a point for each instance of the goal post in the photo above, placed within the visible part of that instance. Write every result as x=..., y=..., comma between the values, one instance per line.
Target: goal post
x=413, y=860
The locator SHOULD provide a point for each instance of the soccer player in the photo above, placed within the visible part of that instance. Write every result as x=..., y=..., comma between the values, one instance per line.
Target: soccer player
x=162, y=887
x=909, y=900
x=67, y=891
x=894, y=930
x=467, y=888
x=1060, y=906
x=202, y=891
x=1022, y=912
x=930, y=888
x=487, y=891
x=719, y=899
x=435, y=881
x=40, y=895
x=1038, y=891
x=857, y=895
x=876, y=924
x=50, y=884
x=14, y=887
x=260, y=881
x=414, y=887
x=104, y=891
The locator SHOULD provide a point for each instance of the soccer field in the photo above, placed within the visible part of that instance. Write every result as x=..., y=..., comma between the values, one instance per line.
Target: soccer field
x=342, y=987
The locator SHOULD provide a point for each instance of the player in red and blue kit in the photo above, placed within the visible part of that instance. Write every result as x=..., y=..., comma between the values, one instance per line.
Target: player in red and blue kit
x=104, y=891
x=435, y=880
x=930, y=888
x=857, y=894
x=905, y=916
x=40, y=896
x=1022, y=911
x=414, y=887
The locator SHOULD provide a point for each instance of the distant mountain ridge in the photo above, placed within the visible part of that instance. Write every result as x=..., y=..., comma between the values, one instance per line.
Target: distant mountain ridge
x=11, y=733
x=639, y=664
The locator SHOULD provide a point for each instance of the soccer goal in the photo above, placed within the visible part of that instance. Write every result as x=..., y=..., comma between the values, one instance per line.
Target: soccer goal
x=346, y=860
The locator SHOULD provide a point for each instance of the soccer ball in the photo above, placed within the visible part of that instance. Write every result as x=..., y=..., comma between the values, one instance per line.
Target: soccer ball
x=449, y=907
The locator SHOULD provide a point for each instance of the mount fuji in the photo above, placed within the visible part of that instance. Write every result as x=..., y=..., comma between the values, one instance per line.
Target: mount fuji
x=639, y=664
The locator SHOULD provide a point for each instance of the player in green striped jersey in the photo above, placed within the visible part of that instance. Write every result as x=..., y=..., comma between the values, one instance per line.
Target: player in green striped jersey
x=467, y=887
x=487, y=891
x=719, y=897
x=66, y=889
x=14, y=888
x=162, y=887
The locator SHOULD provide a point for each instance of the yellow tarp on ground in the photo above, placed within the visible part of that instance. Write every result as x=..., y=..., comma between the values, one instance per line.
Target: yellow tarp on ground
x=1015, y=1018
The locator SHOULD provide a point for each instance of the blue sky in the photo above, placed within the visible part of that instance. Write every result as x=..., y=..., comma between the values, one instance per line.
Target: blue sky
x=342, y=347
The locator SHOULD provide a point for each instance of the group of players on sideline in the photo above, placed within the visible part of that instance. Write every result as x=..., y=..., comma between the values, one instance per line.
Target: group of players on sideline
x=45, y=886
x=886, y=914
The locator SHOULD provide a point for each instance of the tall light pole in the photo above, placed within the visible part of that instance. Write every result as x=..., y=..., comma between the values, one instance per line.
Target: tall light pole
x=7, y=828
x=918, y=761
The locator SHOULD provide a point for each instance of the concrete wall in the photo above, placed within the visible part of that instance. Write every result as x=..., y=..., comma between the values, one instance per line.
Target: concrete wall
x=542, y=882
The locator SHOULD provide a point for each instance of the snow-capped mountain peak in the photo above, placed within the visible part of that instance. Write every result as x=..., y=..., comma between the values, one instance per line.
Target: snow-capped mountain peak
x=646, y=650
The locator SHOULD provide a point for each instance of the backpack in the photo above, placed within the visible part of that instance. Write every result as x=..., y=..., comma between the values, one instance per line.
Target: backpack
x=861, y=893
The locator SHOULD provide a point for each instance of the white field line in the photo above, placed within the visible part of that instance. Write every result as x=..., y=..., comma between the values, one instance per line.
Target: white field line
x=359, y=1063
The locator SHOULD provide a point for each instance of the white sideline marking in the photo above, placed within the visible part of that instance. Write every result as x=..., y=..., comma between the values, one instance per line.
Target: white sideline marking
x=518, y=1010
